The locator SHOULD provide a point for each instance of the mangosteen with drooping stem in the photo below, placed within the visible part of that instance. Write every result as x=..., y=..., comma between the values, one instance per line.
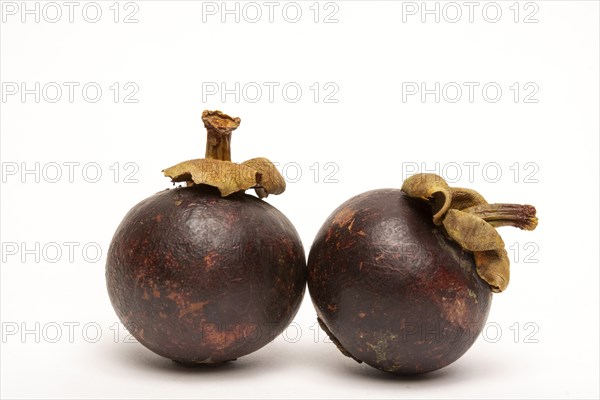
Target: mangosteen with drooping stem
x=205, y=273
x=402, y=279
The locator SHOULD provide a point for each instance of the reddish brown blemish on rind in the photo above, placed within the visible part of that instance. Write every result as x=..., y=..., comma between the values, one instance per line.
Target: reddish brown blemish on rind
x=345, y=217
x=210, y=259
x=192, y=308
x=222, y=337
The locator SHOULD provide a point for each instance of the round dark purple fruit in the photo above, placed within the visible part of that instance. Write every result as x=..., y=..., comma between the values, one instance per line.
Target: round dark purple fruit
x=202, y=277
x=399, y=292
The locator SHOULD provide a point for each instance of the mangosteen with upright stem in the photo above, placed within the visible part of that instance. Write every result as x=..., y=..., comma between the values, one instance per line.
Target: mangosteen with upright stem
x=402, y=279
x=205, y=273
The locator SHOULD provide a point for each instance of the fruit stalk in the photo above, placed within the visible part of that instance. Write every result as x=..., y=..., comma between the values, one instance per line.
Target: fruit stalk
x=520, y=216
x=217, y=170
x=219, y=127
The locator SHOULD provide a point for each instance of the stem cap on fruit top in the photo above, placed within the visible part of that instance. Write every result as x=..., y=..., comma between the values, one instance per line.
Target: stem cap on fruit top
x=471, y=221
x=217, y=170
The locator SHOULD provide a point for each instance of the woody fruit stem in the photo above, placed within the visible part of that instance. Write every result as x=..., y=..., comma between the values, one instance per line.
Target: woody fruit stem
x=518, y=215
x=218, y=145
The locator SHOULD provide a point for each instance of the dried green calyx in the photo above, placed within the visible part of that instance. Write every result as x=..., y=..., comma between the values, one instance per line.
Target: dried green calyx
x=217, y=170
x=471, y=221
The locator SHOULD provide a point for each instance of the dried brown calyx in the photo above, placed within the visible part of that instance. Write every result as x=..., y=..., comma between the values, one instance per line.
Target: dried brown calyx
x=471, y=221
x=217, y=170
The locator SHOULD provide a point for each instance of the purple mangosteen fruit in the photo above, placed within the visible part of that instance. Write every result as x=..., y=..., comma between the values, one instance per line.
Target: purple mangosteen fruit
x=205, y=273
x=402, y=279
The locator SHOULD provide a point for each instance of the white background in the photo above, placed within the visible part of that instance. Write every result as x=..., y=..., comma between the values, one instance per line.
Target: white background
x=542, y=336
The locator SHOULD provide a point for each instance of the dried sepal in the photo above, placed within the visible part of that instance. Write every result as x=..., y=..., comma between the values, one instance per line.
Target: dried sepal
x=270, y=180
x=471, y=232
x=217, y=170
x=228, y=177
x=493, y=266
x=464, y=198
x=261, y=192
x=433, y=188
x=471, y=221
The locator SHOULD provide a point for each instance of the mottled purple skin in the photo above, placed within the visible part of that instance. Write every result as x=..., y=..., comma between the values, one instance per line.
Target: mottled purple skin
x=198, y=278
x=392, y=290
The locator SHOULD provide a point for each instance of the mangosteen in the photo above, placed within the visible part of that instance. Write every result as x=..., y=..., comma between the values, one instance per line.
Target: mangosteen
x=206, y=273
x=402, y=279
